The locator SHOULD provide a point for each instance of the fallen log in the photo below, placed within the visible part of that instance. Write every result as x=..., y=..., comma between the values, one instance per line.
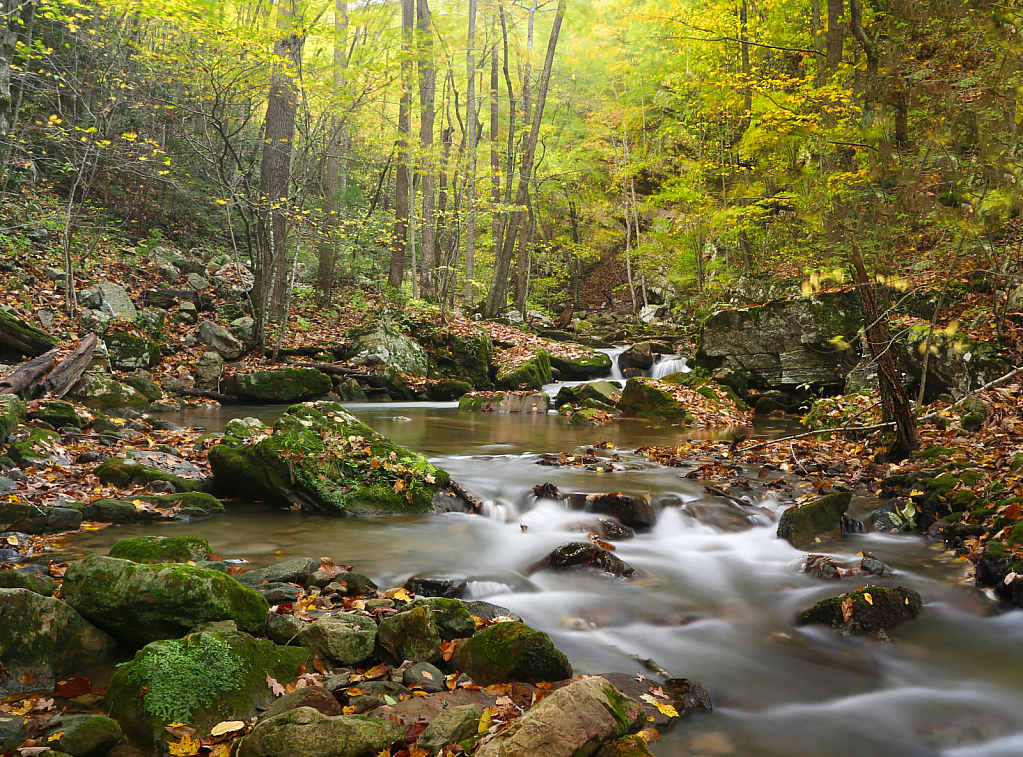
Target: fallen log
x=223, y=399
x=331, y=369
x=70, y=369
x=28, y=372
x=169, y=298
x=24, y=337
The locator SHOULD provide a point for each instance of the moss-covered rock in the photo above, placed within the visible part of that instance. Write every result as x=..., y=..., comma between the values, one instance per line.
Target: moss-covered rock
x=446, y=390
x=285, y=385
x=801, y=525
x=145, y=386
x=46, y=636
x=57, y=413
x=35, y=519
x=345, y=637
x=82, y=735
x=143, y=603
x=528, y=375
x=642, y=398
x=12, y=412
x=411, y=635
x=865, y=610
x=505, y=402
x=129, y=352
x=584, y=367
x=451, y=616
x=383, y=344
x=34, y=446
x=25, y=337
x=323, y=458
x=307, y=732
x=101, y=392
x=456, y=355
x=24, y=579
x=124, y=474
x=509, y=652
x=145, y=549
x=201, y=680
x=145, y=508
x=627, y=746
x=600, y=391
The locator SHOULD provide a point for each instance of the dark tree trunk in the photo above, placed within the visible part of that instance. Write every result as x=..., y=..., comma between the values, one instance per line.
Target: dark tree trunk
x=403, y=176
x=22, y=377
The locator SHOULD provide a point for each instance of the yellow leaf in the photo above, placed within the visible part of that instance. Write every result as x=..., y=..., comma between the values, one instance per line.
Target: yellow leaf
x=12, y=540
x=56, y=737
x=870, y=599
x=403, y=595
x=349, y=710
x=486, y=719
x=184, y=748
x=667, y=709
x=226, y=726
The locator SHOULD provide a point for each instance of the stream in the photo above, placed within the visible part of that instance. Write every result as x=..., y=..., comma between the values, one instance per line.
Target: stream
x=715, y=601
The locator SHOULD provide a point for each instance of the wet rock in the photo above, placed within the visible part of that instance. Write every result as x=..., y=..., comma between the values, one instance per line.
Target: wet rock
x=508, y=402
x=424, y=677
x=585, y=555
x=306, y=732
x=871, y=565
x=32, y=519
x=143, y=603
x=600, y=391
x=146, y=549
x=430, y=586
x=642, y=398
x=46, y=637
x=509, y=652
x=487, y=611
x=220, y=340
x=586, y=366
x=529, y=375
x=285, y=385
x=347, y=584
x=282, y=629
x=98, y=391
x=129, y=352
x=383, y=344
x=153, y=507
x=772, y=401
x=627, y=746
x=453, y=725
x=640, y=355
x=125, y=474
x=865, y=610
x=451, y=616
x=574, y=720
x=202, y=679
x=632, y=511
x=296, y=571
x=351, y=390
x=802, y=525
x=411, y=635
x=81, y=735
x=30, y=580
x=345, y=637
x=893, y=517
x=316, y=697
x=304, y=477
x=822, y=566
x=279, y=593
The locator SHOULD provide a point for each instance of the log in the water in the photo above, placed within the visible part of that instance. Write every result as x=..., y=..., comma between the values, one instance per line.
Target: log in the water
x=223, y=399
x=25, y=374
x=70, y=369
x=24, y=337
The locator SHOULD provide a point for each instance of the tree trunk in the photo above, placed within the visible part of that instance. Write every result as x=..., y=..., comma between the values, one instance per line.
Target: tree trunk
x=71, y=368
x=403, y=176
x=497, y=216
x=427, y=95
x=894, y=400
x=470, y=190
x=275, y=168
x=24, y=337
x=335, y=178
x=835, y=37
x=22, y=377
x=498, y=293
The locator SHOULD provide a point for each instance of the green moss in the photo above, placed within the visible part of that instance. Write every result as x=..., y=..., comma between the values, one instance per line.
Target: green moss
x=146, y=387
x=872, y=608
x=963, y=500
x=801, y=525
x=1016, y=535
x=627, y=746
x=36, y=447
x=58, y=414
x=161, y=549
x=643, y=399
x=509, y=652
x=931, y=454
x=286, y=385
x=123, y=474
x=628, y=717
x=12, y=411
x=534, y=373
x=587, y=366
x=129, y=352
x=940, y=485
x=996, y=551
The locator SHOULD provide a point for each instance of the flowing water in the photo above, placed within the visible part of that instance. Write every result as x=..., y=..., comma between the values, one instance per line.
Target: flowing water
x=715, y=601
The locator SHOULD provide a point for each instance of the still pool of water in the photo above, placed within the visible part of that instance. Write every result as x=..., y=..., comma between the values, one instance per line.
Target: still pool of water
x=713, y=604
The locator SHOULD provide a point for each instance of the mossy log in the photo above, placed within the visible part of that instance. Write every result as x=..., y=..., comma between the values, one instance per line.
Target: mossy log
x=24, y=337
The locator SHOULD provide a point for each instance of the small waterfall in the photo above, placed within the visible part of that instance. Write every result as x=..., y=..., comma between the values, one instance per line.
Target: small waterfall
x=669, y=364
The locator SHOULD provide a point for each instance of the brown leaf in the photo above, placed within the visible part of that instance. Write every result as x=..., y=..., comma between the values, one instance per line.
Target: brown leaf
x=847, y=609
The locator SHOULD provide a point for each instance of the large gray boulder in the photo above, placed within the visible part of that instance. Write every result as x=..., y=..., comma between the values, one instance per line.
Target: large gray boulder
x=284, y=385
x=220, y=340
x=307, y=732
x=346, y=637
x=209, y=367
x=382, y=344
x=957, y=365
x=573, y=721
x=784, y=343
x=47, y=638
x=117, y=302
x=102, y=392
x=143, y=603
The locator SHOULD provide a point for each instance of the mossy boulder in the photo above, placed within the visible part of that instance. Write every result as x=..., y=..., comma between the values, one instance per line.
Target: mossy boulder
x=642, y=398
x=296, y=571
x=570, y=722
x=124, y=474
x=143, y=603
x=47, y=637
x=322, y=458
x=144, y=385
x=307, y=732
x=25, y=579
x=200, y=680
x=456, y=355
x=57, y=413
x=145, y=508
x=600, y=391
x=505, y=402
x=528, y=375
x=34, y=446
x=589, y=364
x=81, y=735
x=35, y=519
x=451, y=616
x=865, y=610
x=344, y=637
x=145, y=549
x=12, y=412
x=129, y=352
x=627, y=746
x=509, y=652
x=802, y=525
x=102, y=392
x=285, y=385
x=445, y=390
x=383, y=344
x=411, y=635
